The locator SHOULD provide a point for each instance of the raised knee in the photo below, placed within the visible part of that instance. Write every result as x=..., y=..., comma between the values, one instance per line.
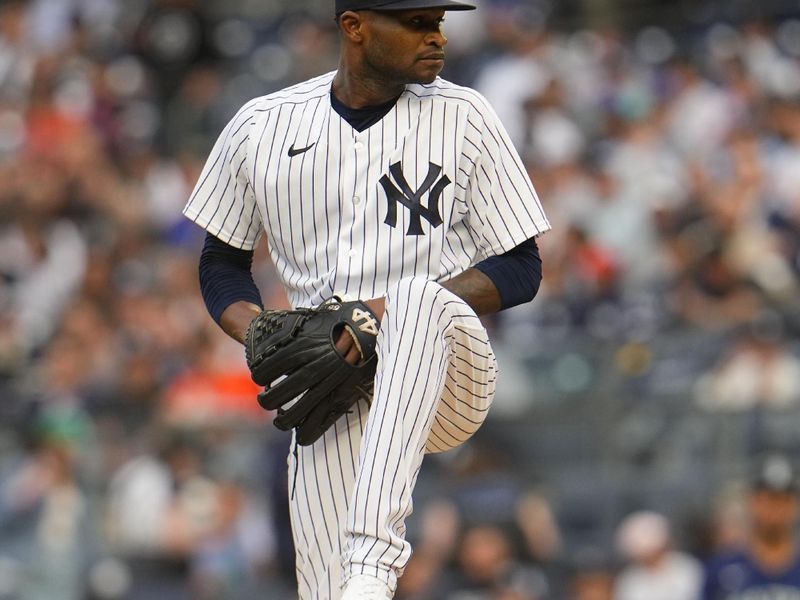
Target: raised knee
x=415, y=300
x=415, y=292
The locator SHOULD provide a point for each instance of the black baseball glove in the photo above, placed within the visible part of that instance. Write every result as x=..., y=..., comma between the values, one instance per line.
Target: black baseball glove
x=293, y=354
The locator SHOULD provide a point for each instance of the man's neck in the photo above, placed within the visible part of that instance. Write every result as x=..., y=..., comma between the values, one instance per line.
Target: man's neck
x=774, y=554
x=359, y=91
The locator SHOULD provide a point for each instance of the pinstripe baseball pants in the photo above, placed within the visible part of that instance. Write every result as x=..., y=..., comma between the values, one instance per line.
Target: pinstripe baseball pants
x=351, y=490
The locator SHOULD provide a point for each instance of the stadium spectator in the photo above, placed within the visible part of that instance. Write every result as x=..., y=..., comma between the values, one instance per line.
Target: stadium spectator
x=759, y=371
x=489, y=568
x=768, y=565
x=655, y=570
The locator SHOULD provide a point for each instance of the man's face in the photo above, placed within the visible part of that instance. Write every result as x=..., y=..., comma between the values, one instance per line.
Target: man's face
x=404, y=46
x=773, y=513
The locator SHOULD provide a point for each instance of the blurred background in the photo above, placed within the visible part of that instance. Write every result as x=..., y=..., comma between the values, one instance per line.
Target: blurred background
x=658, y=361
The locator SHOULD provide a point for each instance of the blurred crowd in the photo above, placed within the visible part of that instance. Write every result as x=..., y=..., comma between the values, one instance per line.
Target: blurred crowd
x=134, y=462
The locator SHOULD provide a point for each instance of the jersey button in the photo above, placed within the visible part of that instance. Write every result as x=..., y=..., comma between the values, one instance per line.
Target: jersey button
x=358, y=145
x=356, y=200
x=352, y=253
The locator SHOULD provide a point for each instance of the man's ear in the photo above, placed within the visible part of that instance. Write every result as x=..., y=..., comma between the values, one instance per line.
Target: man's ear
x=351, y=25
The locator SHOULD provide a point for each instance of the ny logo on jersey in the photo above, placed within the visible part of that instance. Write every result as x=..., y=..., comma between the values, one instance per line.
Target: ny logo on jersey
x=412, y=200
x=366, y=322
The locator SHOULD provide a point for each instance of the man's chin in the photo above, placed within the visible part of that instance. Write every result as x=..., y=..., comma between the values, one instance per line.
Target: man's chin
x=426, y=78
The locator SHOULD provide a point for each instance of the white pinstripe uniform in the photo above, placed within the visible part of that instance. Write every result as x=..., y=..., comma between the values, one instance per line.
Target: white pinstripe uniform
x=417, y=198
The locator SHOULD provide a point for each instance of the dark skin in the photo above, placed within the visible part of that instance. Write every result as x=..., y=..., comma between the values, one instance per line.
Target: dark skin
x=382, y=52
x=774, y=516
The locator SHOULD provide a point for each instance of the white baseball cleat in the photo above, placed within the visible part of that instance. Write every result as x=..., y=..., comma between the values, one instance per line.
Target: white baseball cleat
x=366, y=587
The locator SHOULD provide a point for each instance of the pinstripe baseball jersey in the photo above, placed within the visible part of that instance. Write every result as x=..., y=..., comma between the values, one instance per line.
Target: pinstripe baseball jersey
x=432, y=188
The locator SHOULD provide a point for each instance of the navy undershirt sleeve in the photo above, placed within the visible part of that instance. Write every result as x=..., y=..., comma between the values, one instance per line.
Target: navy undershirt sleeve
x=226, y=276
x=516, y=274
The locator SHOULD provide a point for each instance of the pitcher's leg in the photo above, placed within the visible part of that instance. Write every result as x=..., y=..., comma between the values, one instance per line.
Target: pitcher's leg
x=419, y=360
x=321, y=478
x=469, y=384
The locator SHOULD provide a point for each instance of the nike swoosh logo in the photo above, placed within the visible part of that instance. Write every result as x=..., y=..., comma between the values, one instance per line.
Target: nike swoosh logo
x=295, y=152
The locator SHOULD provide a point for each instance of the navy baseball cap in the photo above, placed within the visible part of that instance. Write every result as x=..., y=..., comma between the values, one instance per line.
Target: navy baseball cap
x=774, y=473
x=343, y=5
